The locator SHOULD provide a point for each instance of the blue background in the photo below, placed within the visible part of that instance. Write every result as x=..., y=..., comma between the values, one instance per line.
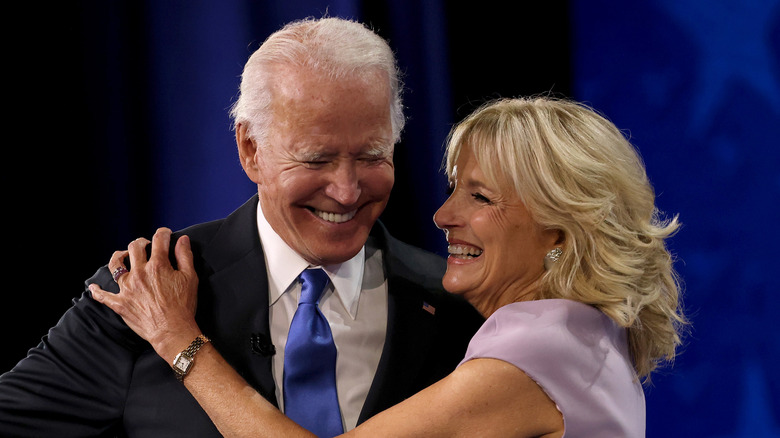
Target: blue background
x=119, y=125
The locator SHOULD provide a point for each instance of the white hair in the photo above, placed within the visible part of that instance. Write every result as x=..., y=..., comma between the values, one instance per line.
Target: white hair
x=333, y=47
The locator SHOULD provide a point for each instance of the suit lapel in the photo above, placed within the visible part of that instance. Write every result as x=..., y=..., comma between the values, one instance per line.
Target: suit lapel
x=235, y=298
x=410, y=330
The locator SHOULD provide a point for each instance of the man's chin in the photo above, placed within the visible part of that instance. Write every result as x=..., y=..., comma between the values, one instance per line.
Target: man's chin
x=331, y=258
x=331, y=252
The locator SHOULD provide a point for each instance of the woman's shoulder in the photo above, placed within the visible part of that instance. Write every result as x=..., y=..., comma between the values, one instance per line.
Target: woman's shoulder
x=547, y=324
x=550, y=338
x=547, y=310
x=574, y=352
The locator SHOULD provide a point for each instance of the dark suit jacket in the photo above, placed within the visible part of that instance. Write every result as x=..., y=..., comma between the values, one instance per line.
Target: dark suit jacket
x=92, y=376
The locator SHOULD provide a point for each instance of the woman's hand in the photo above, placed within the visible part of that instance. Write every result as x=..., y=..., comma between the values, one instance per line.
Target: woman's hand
x=155, y=300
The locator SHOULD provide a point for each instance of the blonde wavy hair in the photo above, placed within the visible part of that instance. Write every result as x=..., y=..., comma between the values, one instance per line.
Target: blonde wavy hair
x=576, y=172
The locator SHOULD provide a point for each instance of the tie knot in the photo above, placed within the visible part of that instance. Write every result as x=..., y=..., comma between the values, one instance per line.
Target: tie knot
x=313, y=283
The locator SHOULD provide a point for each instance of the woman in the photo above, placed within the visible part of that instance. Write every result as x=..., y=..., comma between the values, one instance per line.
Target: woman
x=553, y=236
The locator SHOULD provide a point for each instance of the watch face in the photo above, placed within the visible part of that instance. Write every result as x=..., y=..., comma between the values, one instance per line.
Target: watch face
x=183, y=362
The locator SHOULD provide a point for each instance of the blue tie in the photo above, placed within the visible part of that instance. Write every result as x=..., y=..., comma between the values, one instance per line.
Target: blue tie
x=310, y=363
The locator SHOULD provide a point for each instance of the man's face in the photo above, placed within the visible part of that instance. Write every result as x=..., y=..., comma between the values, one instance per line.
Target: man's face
x=326, y=171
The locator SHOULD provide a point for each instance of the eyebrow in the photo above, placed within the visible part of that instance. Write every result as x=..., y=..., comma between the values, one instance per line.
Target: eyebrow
x=475, y=184
x=375, y=149
x=378, y=150
x=472, y=184
x=382, y=143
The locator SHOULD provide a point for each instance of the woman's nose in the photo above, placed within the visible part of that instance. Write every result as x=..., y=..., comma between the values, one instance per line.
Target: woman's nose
x=445, y=216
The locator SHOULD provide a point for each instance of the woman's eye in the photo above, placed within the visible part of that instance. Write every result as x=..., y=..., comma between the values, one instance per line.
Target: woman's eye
x=481, y=198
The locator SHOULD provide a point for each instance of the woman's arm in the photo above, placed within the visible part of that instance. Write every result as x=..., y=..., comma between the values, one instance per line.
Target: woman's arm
x=235, y=407
x=158, y=303
x=483, y=397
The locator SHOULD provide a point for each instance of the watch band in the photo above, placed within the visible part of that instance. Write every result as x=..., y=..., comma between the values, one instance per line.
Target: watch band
x=182, y=364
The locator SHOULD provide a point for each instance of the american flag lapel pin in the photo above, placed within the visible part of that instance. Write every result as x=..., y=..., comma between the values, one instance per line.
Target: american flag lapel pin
x=428, y=308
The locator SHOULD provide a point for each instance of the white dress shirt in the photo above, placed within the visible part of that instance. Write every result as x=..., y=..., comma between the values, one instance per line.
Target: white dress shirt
x=355, y=305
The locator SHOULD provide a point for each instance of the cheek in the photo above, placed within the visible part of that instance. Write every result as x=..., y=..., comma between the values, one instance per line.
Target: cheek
x=488, y=228
x=294, y=186
x=268, y=170
x=378, y=181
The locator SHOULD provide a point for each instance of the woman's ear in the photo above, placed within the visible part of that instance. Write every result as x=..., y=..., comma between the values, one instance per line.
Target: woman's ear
x=561, y=238
x=247, y=153
x=554, y=237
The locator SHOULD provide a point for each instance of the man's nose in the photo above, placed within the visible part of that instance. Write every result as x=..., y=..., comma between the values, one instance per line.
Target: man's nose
x=344, y=184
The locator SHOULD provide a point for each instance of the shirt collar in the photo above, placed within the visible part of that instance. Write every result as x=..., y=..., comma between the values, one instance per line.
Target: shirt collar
x=284, y=265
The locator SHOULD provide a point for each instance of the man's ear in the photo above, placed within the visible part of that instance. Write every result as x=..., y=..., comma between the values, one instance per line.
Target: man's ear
x=247, y=153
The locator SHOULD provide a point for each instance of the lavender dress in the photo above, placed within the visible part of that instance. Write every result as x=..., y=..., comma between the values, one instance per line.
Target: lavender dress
x=579, y=357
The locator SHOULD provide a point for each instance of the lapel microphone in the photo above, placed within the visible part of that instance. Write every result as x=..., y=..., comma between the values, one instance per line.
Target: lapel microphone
x=261, y=344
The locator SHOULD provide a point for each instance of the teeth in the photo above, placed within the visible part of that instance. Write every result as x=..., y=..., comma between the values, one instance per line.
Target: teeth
x=464, y=251
x=335, y=217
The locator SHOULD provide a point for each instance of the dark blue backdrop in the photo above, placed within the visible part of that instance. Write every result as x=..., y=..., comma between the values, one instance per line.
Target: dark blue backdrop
x=698, y=86
x=122, y=110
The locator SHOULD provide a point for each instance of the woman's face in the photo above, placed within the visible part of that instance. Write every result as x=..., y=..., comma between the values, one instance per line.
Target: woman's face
x=496, y=250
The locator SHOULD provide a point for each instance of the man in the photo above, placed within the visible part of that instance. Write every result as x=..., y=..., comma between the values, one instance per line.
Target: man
x=316, y=122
